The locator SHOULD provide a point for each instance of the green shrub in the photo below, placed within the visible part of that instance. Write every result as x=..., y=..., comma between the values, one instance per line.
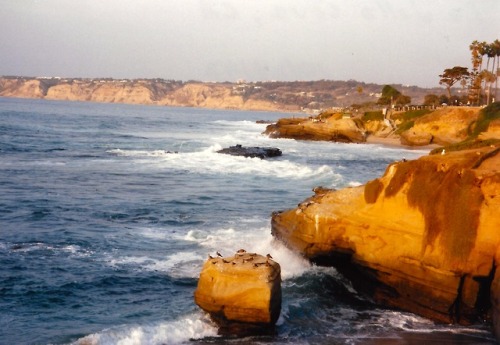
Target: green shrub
x=467, y=145
x=488, y=114
x=372, y=116
x=405, y=126
x=412, y=114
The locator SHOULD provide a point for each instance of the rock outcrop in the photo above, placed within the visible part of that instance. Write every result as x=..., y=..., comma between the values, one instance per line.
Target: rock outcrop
x=443, y=126
x=244, y=288
x=252, y=152
x=332, y=128
x=424, y=237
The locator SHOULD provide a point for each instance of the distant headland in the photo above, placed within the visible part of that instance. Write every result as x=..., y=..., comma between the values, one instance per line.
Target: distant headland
x=286, y=96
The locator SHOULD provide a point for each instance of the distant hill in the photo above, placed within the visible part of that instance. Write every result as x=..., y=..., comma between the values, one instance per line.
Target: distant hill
x=306, y=96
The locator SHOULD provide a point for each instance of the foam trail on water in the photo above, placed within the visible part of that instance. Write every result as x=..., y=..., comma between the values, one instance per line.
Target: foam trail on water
x=178, y=265
x=181, y=331
x=208, y=161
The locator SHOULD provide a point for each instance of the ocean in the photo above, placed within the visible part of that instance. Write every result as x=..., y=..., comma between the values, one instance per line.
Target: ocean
x=108, y=212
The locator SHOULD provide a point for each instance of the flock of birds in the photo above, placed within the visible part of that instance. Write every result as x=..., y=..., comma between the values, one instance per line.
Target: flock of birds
x=249, y=258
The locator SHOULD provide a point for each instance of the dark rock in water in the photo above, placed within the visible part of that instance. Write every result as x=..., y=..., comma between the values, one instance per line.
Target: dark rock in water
x=260, y=152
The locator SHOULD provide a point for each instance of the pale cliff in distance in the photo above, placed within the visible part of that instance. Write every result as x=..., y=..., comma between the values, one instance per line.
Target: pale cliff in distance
x=268, y=96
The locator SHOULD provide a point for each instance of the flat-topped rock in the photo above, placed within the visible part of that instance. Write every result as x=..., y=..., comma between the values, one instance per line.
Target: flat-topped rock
x=244, y=288
x=252, y=152
x=331, y=129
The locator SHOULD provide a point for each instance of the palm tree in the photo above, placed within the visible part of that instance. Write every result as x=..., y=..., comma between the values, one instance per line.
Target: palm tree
x=489, y=78
x=476, y=49
x=496, y=71
x=489, y=52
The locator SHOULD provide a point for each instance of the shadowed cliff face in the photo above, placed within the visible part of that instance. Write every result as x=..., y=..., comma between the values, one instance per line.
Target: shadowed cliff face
x=423, y=237
x=449, y=200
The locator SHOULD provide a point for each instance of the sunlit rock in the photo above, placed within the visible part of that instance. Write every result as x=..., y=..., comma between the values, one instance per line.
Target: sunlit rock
x=244, y=288
x=444, y=126
x=412, y=138
x=329, y=129
x=423, y=237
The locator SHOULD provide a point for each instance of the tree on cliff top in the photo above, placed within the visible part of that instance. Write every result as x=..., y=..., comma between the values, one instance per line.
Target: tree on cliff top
x=451, y=76
x=392, y=96
x=477, y=77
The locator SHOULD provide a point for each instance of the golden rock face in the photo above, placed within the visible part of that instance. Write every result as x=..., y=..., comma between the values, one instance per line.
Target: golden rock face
x=424, y=237
x=444, y=126
x=331, y=129
x=245, y=287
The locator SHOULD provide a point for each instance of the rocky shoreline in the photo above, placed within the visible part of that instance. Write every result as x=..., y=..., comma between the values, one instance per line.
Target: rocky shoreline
x=424, y=236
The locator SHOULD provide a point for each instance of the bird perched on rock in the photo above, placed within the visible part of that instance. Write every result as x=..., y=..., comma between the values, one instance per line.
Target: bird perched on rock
x=269, y=256
x=210, y=256
x=241, y=251
x=218, y=254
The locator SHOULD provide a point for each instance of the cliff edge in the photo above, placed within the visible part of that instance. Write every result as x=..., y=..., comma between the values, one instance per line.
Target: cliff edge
x=423, y=237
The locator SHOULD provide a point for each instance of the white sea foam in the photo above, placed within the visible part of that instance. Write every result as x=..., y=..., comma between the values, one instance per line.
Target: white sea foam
x=180, y=331
x=208, y=161
x=178, y=265
x=258, y=240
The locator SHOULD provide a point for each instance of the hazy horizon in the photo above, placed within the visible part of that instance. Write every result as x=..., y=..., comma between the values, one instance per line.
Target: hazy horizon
x=382, y=42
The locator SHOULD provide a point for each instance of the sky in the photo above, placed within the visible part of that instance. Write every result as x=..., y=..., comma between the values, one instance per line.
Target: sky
x=407, y=42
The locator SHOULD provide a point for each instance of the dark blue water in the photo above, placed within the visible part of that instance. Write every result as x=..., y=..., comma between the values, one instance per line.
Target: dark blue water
x=104, y=228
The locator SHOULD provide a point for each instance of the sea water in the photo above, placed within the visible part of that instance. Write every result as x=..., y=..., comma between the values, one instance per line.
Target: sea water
x=107, y=213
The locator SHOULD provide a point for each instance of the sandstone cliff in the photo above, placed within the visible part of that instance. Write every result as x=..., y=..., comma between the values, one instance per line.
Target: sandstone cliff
x=270, y=96
x=444, y=126
x=332, y=128
x=424, y=237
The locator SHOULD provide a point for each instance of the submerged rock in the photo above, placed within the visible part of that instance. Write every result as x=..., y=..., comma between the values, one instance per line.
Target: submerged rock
x=242, y=290
x=424, y=237
x=252, y=152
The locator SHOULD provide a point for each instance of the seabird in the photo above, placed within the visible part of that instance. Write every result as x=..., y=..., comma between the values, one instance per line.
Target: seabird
x=210, y=256
x=269, y=256
x=218, y=254
x=241, y=251
x=443, y=152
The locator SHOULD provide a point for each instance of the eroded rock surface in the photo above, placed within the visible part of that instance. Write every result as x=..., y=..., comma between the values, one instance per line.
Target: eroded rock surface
x=424, y=237
x=243, y=288
x=444, y=126
x=331, y=129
